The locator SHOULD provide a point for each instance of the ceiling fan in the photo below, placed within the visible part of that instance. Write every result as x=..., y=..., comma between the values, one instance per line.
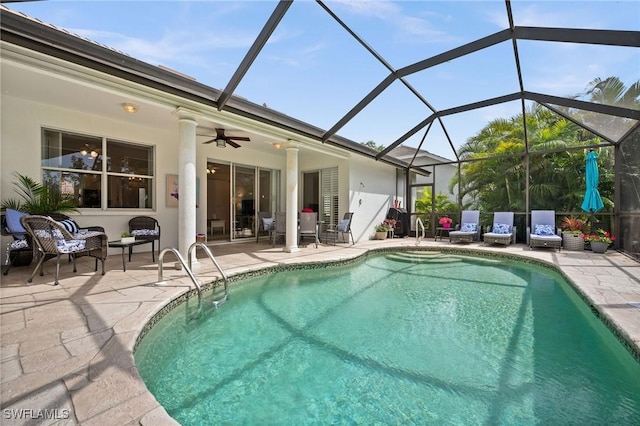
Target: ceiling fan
x=222, y=140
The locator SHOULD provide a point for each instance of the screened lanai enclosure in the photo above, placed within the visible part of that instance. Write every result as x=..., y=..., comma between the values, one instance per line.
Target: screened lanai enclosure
x=488, y=105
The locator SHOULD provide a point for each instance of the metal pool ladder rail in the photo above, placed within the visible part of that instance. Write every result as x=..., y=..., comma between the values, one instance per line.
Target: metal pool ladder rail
x=418, y=237
x=188, y=268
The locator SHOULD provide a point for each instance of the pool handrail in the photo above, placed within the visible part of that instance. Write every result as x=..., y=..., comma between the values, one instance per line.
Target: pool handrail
x=203, y=246
x=418, y=237
x=184, y=265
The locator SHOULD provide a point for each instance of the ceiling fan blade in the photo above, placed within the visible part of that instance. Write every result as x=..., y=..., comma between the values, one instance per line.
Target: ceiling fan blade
x=238, y=138
x=233, y=144
x=206, y=142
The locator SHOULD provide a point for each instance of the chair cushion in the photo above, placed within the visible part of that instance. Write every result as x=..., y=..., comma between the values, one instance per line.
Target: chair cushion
x=343, y=225
x=543, y=230
x=267, y=223
x=19, y=244
x=70, y=225
x=144, y=232
x=41, y=233
x=501, y=228
x=70, y=246
x=469, y=227
x=13, y=221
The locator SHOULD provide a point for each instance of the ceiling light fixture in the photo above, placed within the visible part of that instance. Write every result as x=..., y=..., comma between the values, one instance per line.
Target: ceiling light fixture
x=220, y=143
x=130, y=108
x=277, y=145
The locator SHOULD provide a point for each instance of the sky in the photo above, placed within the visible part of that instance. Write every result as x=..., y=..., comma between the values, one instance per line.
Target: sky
x=313, y=70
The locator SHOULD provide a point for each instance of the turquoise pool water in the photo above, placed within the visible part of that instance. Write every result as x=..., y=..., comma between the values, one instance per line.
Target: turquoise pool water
x=394, y=339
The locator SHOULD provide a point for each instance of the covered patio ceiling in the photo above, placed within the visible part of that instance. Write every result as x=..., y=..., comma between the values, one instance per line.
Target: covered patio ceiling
x=396, y=100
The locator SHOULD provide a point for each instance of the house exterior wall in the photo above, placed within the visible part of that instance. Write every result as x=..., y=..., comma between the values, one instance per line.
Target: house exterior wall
x=376, y=192
x=23, y=118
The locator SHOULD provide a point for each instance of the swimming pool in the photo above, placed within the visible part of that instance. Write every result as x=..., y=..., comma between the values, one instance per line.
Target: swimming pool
x=395, y=338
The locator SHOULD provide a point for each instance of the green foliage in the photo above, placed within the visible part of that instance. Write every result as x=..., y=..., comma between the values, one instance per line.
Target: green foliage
x=35, y=198
x=372, y=145
x=443, y=203
x=497, y=181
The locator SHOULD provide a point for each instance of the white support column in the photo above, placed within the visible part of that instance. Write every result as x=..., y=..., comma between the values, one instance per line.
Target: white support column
x=201, y=173
x=187, y=181
x=291, y=244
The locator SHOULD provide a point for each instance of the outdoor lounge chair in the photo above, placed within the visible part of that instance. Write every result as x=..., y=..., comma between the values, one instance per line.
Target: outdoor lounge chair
x=53, y=240
x=279, y=228
x=342, y=228
x=309, y=226
x=502, y=231
x=468, y=229
x=267, y=224
x=543, y=231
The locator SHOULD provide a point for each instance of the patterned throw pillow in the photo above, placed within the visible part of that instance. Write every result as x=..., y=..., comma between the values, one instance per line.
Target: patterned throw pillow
x=469, y=227
x=501, y=228
x=545, y=230
x=342, y=226
x=70, y=225
x=138, y=232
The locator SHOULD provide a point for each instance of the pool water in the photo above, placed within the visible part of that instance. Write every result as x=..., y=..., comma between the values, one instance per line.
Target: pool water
x=404, y=338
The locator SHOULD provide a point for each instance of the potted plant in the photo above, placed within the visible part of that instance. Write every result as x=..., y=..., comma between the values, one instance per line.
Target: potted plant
x=599, y=241
x=445, y=222
x=127, y=237
x=381, y=231
x=36, y=198
x=572, y=232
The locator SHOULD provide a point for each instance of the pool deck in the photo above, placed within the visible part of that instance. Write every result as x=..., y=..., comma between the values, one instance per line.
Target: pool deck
x=69, y=348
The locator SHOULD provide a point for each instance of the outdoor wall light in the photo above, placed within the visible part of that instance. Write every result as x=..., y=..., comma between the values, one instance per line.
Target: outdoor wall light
x=277, y=145
x=130, y=108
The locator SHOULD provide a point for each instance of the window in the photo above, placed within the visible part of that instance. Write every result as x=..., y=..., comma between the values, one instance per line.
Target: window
x=86, y=167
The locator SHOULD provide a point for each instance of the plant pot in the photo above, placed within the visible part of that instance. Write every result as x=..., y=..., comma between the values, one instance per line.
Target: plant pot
x=126, y=240
x=446, y=225
x=381, y=235
x=599, y=247
x=572, y=241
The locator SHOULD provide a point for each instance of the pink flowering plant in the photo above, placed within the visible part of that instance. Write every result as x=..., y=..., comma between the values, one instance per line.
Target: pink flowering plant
x=445, y=220
x=600, y=236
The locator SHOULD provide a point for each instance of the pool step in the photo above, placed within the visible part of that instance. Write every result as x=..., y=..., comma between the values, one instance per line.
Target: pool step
x=413, y=256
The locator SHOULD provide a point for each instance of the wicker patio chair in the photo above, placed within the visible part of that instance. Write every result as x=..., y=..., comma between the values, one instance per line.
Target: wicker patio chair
x=147, y=229
x=53, y=240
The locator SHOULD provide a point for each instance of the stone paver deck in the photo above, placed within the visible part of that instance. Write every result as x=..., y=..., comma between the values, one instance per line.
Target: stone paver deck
x=67, y=350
